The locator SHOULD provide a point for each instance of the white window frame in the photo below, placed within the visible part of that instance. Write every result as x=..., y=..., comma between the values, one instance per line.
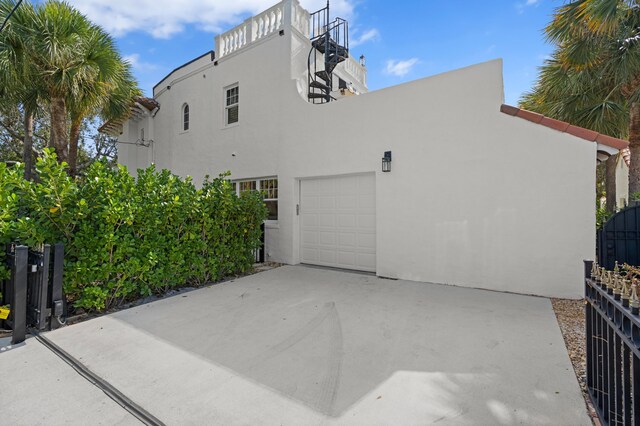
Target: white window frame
x=225, y=93
x=258, y=187
x=187, y=109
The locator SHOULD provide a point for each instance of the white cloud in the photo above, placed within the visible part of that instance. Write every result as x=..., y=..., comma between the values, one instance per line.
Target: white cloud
x=137, y=64
x=520, y=7
x=164, y=18
x=369, y=35
x=400, y=68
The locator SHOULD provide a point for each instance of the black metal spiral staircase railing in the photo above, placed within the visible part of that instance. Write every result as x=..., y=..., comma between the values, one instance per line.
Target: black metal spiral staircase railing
x=331, y=40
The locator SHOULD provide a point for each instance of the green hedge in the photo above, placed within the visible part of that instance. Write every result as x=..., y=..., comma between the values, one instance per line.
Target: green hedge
x=125, y=237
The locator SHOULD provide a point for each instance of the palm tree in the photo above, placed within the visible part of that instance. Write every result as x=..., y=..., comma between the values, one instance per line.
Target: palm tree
x=18, y=82
x=582, y=97
x=74, y=67
x=108, y=94
x=602, y=36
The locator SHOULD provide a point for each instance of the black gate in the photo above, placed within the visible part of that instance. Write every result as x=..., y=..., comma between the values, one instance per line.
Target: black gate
x=619, y=239
x=33, y=292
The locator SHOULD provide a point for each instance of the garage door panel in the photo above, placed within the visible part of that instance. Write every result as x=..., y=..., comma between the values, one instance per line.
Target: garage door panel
x=325, y=187
x=311, y=254
x=348, y=202
x=326, y=257
x=367, y=261
x=326, y=238
x=367, y=241
x=338, y=222
x=309, y=237
x=367, y=222
x=326, y=220
x=347, y=221
x=346, y=185
x=366, y=184
x=326, y=202
x=367, y=202
x=311, y=203
x=346, y=259
x=347, y=239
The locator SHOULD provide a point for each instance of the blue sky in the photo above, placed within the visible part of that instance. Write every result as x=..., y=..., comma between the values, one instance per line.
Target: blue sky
x=402, y=40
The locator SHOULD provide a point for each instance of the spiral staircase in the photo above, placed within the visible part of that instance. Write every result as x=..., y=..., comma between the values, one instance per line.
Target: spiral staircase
x=329, y=47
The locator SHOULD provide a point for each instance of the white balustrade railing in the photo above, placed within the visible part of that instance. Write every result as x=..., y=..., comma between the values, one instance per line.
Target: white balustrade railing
x=256, y=28
x=356, y=70
x=300, y=18
x=284, y=14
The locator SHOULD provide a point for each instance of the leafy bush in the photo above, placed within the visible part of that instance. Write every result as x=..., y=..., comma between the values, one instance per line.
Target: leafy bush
x=125, y=237
x=602, y=215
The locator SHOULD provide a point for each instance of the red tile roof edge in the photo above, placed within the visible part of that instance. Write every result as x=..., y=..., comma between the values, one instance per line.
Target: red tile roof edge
x=148, y=103
x=563, y=126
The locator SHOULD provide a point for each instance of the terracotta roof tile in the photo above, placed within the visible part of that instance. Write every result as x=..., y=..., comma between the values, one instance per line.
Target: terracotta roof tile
x=555, y=124
x=148, y=103
x=531, y=116
x=563, y=126
x=583, y=133
x=114, y=127
x=508, y=109
x=614, y=142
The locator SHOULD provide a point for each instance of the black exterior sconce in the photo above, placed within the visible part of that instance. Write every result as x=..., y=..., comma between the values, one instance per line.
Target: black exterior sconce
x=386, y=162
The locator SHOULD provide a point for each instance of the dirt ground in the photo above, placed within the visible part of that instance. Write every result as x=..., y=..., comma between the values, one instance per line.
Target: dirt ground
x=571, y=318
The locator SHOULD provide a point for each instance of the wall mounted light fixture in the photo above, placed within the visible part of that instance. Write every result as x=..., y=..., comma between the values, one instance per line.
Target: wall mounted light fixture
x=386, y=162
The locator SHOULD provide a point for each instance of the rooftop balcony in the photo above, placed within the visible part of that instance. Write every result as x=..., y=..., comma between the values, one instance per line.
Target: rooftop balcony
x=288, y=14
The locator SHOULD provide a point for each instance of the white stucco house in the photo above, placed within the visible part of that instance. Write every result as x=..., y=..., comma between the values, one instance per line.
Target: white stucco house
x=479, y=194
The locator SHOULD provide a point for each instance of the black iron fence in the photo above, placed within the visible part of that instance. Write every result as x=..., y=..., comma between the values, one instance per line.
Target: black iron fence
x=613, y=344
x=619, y=238
x=33, y=292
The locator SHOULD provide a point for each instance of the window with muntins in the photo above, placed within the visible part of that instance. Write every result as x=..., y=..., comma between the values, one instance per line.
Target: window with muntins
x=232, y=105
x=269, y=189
x=185, y=117
x=248, y=185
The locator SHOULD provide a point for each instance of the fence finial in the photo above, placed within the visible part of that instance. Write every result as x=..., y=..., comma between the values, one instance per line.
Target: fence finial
x=634, y=301
x=617, y=286
x=607, y=281
x=626, y=289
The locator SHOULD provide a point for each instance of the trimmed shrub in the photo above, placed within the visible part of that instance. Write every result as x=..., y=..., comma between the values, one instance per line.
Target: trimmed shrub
x=126, y=238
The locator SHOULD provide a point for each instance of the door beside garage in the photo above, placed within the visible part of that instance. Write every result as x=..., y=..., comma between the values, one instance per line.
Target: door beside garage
x=338, y=222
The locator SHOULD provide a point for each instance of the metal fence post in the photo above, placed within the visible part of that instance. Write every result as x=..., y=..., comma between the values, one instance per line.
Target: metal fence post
x=42, y=283
x=56, y=301
x=19, y=300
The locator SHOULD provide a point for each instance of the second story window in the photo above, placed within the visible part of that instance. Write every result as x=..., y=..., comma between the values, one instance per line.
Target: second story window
x=185, y=117
x=232, y=105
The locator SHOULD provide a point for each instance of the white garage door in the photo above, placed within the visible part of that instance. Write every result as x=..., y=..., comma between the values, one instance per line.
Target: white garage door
x=338, y=222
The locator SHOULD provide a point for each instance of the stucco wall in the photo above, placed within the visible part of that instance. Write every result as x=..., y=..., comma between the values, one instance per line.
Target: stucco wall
x=475, y=197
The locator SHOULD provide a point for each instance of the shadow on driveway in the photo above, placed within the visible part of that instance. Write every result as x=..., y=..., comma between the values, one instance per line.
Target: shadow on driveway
x=299, y=345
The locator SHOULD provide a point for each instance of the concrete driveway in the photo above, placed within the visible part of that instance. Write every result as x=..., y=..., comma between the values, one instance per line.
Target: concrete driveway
x=304, y=346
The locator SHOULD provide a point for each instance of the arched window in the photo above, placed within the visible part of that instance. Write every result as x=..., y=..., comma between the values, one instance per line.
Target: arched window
x=185, y=117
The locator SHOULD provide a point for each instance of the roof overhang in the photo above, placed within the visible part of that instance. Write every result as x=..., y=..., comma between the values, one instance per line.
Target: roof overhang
x=140, y=108
x=606, y=145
